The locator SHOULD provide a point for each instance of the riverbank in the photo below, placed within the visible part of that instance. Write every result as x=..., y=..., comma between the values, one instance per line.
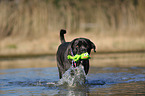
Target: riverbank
x=112, y=27
x=97, y=60
x=19, y=56
x=49, y=44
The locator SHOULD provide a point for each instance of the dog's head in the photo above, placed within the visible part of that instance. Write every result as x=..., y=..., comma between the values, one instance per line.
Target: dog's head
x=82, y=45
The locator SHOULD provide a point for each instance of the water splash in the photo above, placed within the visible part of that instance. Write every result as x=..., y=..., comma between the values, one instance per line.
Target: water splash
x=73, y=77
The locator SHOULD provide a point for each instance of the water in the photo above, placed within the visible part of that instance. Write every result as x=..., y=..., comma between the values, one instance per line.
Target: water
x=99, y=81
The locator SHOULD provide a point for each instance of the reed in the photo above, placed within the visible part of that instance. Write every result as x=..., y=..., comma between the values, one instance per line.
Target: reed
x=36, y=19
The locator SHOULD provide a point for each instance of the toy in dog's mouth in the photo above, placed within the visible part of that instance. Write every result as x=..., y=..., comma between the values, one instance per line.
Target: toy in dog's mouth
x=78, y=57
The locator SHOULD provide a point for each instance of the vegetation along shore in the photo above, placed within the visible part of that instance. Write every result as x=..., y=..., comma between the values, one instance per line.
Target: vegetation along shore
x=29, y=27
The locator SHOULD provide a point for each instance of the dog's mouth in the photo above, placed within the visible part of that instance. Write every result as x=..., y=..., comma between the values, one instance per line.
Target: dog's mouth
x=78, y=63
x=79, y=51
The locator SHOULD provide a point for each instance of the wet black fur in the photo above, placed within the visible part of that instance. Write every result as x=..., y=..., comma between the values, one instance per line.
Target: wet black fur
x=78, y=46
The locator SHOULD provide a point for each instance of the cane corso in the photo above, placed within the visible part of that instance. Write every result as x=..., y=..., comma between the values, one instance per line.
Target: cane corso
x=76, y=46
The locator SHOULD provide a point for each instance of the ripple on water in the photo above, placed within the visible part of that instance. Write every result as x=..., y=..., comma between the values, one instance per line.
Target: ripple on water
x=37, y=81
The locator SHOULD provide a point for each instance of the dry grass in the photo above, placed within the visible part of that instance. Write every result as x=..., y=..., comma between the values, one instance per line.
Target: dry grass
x=49, y=45
x=32, y=26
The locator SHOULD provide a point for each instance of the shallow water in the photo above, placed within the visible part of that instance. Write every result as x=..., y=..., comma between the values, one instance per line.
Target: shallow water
x=99, y=81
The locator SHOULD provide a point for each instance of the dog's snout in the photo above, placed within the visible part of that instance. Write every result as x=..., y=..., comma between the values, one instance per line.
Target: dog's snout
x=83, y=50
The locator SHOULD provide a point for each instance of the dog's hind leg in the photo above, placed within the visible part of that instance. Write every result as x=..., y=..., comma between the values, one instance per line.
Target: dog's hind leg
x=60, y=69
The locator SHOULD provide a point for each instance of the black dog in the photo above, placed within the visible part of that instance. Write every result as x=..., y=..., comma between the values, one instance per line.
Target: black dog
x=76, y=46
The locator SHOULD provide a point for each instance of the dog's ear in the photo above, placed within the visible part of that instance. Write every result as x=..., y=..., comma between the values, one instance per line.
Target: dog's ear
x=73, y=46
x=92, y=45
x=72, y=43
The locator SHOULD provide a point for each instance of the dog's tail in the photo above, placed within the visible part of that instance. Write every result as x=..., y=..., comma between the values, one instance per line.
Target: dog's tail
x=62, y=32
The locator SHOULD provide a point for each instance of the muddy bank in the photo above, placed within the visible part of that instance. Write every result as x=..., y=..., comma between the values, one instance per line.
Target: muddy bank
x=136, y=59
x=49, y=45
x=37, y=55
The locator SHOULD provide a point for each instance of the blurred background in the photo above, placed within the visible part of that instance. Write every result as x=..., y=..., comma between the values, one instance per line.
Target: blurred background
x=31, y=27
